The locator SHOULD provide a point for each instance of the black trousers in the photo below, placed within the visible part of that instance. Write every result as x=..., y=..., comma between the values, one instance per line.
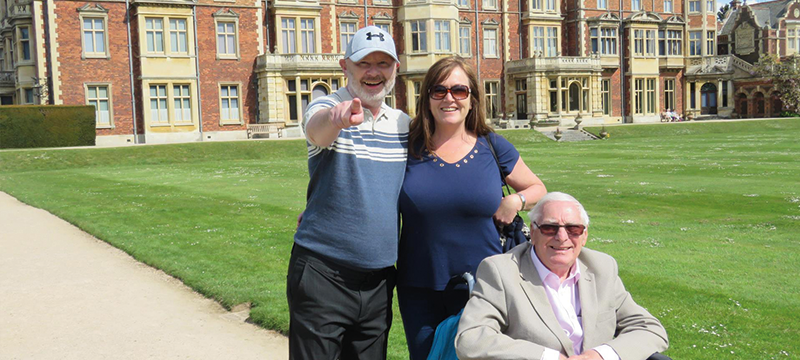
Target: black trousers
x=337, y=312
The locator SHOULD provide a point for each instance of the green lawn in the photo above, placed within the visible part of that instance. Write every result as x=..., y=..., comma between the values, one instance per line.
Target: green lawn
x=703, y=218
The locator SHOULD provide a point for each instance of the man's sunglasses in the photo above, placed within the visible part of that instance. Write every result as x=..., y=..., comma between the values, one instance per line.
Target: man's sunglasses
x=459, y=92
x=550, y=229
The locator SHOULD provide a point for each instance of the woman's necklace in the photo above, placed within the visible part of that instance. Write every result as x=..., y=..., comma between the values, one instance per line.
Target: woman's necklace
x=453, y=150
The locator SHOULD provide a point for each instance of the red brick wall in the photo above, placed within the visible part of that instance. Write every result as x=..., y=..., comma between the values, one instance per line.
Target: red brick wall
x=679, y=94
x=213, y=70
x=491, y=68
x=695, y=21
x=616, y=90
x=74, y=71
x=513, y=29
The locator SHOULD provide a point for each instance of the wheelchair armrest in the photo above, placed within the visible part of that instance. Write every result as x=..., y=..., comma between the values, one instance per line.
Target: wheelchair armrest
x=659, y=356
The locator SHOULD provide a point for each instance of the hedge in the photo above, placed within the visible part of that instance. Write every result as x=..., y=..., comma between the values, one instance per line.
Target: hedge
x=33, y=126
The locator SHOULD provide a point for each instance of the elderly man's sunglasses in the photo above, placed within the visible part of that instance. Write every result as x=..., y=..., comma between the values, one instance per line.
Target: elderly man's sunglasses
x=459, y=92
x=550, y=229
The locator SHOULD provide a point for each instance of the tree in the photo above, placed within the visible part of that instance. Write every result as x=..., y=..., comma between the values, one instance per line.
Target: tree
x=723, y=11
x=785, y=77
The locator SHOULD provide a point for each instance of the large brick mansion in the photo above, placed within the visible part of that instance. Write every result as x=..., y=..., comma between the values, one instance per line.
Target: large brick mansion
x=180, y=70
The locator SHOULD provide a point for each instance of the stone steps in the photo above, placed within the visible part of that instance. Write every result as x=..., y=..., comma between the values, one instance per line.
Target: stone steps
x=570, y=135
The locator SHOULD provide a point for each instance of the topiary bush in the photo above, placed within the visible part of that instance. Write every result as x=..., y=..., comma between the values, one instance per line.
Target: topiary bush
x=34, y=126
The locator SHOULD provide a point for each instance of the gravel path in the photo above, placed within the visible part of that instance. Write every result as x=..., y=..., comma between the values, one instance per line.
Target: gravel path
x=66, y=295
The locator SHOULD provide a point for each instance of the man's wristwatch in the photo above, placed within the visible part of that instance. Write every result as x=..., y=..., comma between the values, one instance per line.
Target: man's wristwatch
x=522, y=197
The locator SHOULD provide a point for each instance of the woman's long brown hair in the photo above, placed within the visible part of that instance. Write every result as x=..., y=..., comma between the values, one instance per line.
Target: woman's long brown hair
x=423, y=125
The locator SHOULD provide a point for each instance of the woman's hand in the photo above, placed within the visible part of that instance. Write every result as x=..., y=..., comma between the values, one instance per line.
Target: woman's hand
x=508, y=209
x=522, y=180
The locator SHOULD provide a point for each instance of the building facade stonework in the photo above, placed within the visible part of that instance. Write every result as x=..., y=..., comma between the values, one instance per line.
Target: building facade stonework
x=162, y=71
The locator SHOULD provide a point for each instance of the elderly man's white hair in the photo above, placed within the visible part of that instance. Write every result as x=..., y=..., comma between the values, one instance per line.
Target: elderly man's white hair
x=536, y=213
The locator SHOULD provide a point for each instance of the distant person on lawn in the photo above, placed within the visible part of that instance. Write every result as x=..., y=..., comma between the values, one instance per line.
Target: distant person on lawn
x=550, y=299
x=341, y=272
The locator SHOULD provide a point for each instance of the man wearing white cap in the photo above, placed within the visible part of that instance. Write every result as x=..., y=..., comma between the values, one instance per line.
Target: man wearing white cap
x=341, y=272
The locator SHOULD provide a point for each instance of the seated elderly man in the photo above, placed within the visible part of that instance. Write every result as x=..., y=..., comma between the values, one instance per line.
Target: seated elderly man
x=553, y=299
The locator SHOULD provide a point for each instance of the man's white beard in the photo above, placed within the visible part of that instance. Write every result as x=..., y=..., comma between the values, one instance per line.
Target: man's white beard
x=372, y=100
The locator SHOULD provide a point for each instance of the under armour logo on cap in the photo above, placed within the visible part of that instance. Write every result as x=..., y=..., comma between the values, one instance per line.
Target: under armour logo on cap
x=365, y=41
x=371, y=35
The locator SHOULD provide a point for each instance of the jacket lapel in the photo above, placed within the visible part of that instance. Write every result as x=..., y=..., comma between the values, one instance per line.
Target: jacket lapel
x=534, y=290
x=588, y=299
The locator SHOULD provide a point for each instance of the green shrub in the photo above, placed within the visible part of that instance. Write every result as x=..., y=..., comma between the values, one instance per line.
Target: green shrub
x=33, y=126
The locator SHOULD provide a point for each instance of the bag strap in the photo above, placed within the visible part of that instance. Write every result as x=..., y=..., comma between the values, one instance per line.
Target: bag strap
x=497, y=161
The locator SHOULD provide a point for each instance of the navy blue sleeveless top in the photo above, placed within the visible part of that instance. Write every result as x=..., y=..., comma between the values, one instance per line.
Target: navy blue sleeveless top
x=447, y=213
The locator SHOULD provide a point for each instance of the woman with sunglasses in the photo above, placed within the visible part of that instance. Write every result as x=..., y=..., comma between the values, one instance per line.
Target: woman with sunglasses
x=451, y=199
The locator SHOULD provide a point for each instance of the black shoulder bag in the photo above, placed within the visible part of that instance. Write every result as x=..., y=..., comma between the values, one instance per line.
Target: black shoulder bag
x=516, y=232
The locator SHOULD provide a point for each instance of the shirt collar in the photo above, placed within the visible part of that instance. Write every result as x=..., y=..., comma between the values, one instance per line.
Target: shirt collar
x=545, y=273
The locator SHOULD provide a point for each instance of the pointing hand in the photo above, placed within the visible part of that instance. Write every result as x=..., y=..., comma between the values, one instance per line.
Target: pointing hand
x=347, y=114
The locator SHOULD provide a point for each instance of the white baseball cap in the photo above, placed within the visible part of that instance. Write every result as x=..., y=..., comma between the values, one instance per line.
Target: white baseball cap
x=368, y=40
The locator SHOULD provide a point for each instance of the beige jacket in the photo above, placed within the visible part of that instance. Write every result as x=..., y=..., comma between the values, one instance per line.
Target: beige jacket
x=509, y=315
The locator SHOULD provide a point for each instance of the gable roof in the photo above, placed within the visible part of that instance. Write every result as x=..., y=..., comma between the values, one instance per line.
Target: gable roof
x=730, y=19
x=765, y=13
x=768, y=13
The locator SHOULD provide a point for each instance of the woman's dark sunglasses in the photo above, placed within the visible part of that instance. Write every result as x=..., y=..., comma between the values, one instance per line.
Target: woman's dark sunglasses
x=550, y=229
x=459, y=92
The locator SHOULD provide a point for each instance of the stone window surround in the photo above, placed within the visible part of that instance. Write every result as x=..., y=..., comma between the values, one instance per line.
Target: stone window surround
x=669, y=93
x=690, y=41
x=167, y=52
x=226, y=16
x=490, y=24
x=645, y=40
x=606, y=94
x=448, y=35
x=489, y=97
x=422, y=37
x=544, y=6
x=169, y=84
x=647, y=94
x=18, y=36
x=347, y=18
x=696, y=4
x=383, y=19
x=465, y=23
x=681, y=40
x=24, y=96
x=94, y=12
x=604, y=38
x=238, y=85
x=110, y=102
x=793, y=38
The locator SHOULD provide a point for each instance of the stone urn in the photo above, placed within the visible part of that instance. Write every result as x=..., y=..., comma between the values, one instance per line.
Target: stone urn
x=531, y=121
x=603, y=133
x=558, y=134
x=578, y=121
x=501, y=121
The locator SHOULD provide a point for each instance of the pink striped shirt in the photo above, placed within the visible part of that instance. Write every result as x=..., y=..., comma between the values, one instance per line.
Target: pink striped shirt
x=566, y=303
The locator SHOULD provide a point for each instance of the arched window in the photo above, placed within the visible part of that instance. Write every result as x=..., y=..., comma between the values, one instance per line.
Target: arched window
x=759, y=104
x=574, y=97
x=741, y=105
x=708, y=99
x=319, y=91
x=777, y=105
